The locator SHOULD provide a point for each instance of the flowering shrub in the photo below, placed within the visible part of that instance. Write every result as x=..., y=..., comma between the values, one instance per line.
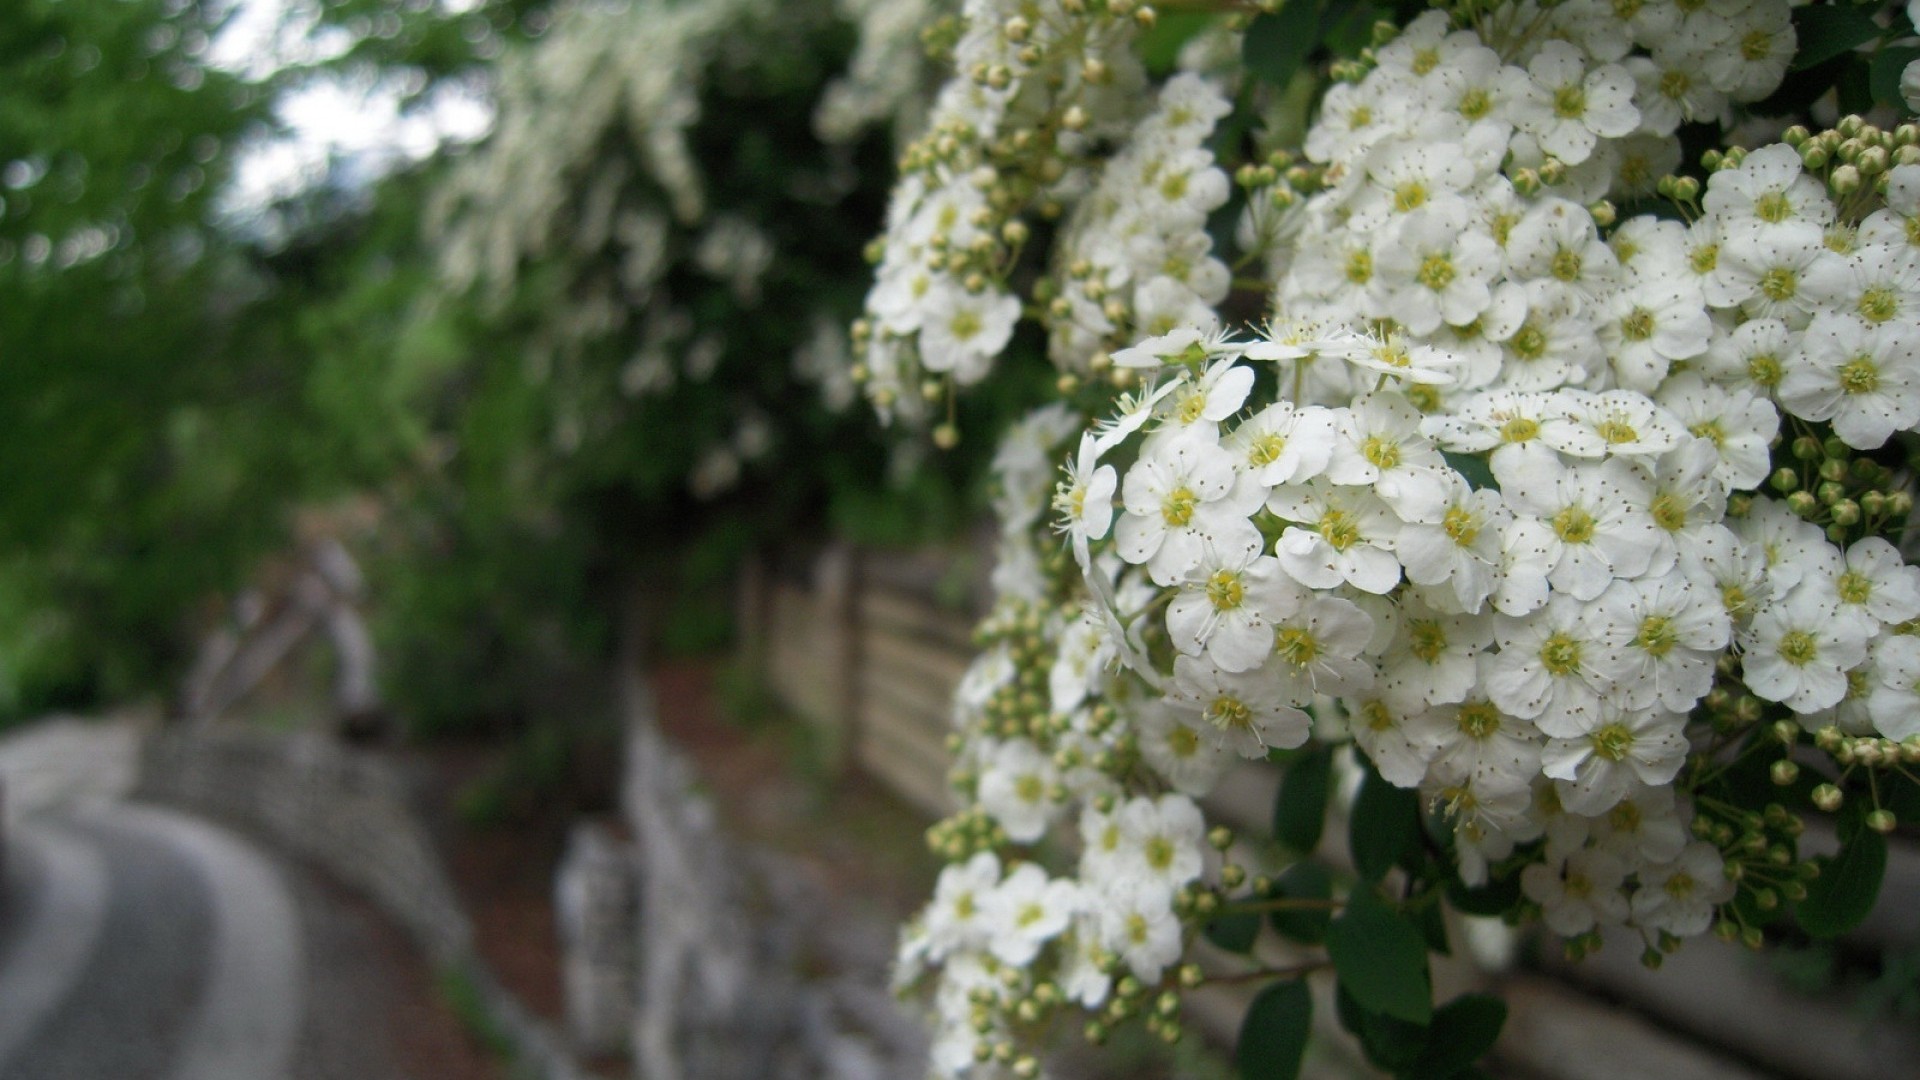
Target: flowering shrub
x=1570, y=537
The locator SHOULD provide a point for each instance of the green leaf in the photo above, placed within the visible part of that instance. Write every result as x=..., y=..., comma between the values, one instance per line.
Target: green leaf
x=1277, y=44
x=1883, y=76
x=1300, y=809
x=1381, y=959
x=1494, y=898
x=1303, y=881
x=1848, y=885
x=1827, y=30
x=1474, y=468
x=1462, y=1031
x=1273, y=1036
x=1390, y=1044
x=1347, y=27
x=1235, y=931
x=1160, y=45
x=1384, y=826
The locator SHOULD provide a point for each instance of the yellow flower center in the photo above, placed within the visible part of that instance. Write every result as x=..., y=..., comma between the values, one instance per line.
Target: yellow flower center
x=1228, y=713
x=1574, y=525
x=1613, y=742
x=1436, y=271
x=1225, y=589
x=1296, y=646
x=1657, y=636
x=1478, y=719
x=1799, y=648
x=1177, y=509
x=1427, y=638
x=1560, y=655
x=1860, y=375
x=1462, y=527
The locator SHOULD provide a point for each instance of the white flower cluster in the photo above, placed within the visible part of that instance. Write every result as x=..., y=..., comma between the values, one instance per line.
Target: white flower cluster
x=1134, y=257
x=1039, y=85
x=1483, y=494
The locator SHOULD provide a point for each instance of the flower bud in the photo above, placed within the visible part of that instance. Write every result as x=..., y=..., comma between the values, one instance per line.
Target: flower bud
x=1784, y=772
x=1881, y=821
x=1827, y=797
x=1785, y=479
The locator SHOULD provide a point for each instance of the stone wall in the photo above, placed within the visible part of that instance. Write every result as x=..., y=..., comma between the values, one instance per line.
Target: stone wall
x=349, y=813
x=743, y=970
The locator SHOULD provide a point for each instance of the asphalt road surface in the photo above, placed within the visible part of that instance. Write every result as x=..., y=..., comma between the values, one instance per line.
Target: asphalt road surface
x=139, y=943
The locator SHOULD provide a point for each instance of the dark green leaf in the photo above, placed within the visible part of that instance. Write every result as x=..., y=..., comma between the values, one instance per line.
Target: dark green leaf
x=1235, y=931
x=1303, y=881
x=1493, y=898
x=1381, y=959
x=1385, y=825
x=1883, y=76
x=1300, y=809
x=1160, y=45
x=1462, y=1030
x=1827, y=30
x=1273, y=1036
x=1277, y=44
x=1432, y=920
x=1851, y=90
x=1347, y=27
x=1848, y=885
x=1474, y=468
x=1390, y=1044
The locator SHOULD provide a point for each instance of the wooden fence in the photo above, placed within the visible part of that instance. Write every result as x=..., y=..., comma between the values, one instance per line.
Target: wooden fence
x=869, y=646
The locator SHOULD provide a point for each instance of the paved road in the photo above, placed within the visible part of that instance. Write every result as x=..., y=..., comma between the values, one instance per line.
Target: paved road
x=138, y=943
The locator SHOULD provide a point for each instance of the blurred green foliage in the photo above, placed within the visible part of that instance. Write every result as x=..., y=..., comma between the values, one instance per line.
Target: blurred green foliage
x=177, y=379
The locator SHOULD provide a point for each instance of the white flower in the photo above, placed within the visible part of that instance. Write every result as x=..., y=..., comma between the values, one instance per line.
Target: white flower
x=1649, y=324
x=1180, y=746
x=1875, y=586
x=1577, y=893
x=1662, y=636
x=1679, y=897
x=1645, y=826
x=1862, y=376
x=1460, y=552
x=1550, y=668
x=1179, y=496
x=1738, y=423
x=1432, y=660
x=1137, y=924
x=1160, y=841
x=1017, y=784
x=1281, y=444
x=1597, y=767
x=1027, y=910
x=1894, y=699
x=1798, y=654
x=1380, y=730
x=1084, y=499
x=1583, y=526
x=1479, y=749
x=1248, y=711
x=963, y=332
x=1219, y=611
x=1317, y=642
x=1434, y=267
x=1569, y=108
x=1344, y=534
x=955, y=919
